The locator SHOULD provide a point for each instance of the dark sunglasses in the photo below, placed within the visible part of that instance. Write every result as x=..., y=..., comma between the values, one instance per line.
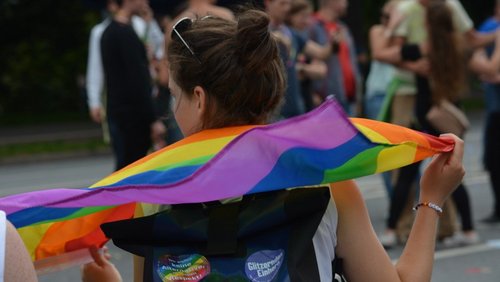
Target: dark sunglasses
x=181, y=26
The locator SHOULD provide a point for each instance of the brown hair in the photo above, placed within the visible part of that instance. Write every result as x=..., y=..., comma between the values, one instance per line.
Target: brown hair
x=239, y=68
x=446, y=53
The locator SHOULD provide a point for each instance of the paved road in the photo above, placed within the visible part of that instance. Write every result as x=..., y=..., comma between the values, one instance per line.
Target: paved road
x=68, y=173
x=476, y=263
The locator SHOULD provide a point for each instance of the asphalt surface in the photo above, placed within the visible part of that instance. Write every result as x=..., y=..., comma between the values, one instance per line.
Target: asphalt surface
x=479, y=262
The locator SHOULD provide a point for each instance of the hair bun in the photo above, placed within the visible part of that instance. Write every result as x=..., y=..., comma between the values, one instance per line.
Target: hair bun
x=254, y=43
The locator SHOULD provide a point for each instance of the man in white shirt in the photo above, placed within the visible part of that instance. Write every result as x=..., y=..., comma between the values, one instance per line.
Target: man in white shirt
x=148, y=31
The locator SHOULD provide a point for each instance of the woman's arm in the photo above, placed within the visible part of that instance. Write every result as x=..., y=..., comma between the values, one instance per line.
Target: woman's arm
x=389, y=50
x=18, y=265
x=316, y=69
x=380, y=43
x=364, y=257
x=478, y=40
x=482, y=65
x=439, y=180
x=317, y=51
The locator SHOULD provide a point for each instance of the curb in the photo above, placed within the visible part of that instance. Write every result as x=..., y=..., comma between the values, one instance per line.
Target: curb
x=44, y=157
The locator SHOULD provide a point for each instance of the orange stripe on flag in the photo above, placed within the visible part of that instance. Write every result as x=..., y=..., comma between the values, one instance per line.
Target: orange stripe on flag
x=80, y=232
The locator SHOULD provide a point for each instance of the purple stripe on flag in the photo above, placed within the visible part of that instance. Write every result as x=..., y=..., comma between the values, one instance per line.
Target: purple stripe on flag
x=232, y=172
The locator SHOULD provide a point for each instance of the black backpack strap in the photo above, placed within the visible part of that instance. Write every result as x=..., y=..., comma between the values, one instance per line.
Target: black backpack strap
x=302, y=260
x=338, y=270
x=222, y=229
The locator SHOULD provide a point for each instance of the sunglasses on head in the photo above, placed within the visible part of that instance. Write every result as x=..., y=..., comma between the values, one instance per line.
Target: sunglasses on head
x=181, y=26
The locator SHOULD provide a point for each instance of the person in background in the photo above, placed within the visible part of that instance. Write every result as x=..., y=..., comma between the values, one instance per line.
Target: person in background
x=299, y=19
x=491, y=85
x=381, y=74
x=131, y=117
x=343, y=79
x=146, y=28
x=163, y=99
x=379, y=77
x=292, y=44
x=201, y=8
x=445, y=53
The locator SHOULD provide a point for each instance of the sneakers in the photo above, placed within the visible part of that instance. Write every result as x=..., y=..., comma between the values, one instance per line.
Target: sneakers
x=462, y=239
x=388, y=239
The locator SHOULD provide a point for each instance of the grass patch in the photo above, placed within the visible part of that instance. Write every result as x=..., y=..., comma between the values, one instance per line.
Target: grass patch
x=60, y=146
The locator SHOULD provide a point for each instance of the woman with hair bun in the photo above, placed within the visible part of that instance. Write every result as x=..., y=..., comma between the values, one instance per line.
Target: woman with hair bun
x=227, y=73
x=231, y=72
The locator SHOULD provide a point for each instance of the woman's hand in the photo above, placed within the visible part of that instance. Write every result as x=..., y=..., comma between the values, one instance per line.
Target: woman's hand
x=101, y=269
x=444, y=173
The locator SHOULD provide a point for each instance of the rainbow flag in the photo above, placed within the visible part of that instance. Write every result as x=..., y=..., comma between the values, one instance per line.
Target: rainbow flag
x=320, y=147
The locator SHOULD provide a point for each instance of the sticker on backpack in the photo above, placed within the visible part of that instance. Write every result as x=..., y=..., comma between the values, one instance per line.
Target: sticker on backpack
x=263, y=266
x=182, y=268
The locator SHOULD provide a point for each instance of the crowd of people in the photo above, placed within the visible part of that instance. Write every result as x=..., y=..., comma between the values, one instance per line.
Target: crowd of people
x=430, y=44
x=420, y=52
x=202, y=63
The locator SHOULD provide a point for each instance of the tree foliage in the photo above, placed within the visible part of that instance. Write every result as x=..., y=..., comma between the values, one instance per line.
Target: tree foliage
x=44, y=50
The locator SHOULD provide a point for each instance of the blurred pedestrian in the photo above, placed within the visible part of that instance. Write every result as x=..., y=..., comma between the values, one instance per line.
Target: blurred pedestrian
x=491, y=85
x=343, y=79
x=201, y=8
x=380, y=76
x=130, y=113
x=291, y=44
x=146, y=28
x=309, y=69
x=441, y=43
x=163, y=99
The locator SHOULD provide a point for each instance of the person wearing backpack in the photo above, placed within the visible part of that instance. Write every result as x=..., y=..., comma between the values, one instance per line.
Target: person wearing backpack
x=226, y=73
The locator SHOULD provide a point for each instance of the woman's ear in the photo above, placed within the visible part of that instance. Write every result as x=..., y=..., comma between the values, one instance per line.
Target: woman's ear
x=200, y=97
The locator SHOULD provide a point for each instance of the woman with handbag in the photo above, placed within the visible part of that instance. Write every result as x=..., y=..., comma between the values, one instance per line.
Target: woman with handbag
x=440, y=81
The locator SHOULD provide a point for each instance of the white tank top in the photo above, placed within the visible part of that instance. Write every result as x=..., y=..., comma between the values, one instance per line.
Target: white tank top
x=325, y=241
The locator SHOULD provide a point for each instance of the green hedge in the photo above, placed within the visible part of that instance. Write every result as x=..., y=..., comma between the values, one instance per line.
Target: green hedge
x=44, y=50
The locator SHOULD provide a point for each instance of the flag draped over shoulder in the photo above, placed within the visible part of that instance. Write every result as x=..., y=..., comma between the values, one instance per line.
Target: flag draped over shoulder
x=320, y=147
